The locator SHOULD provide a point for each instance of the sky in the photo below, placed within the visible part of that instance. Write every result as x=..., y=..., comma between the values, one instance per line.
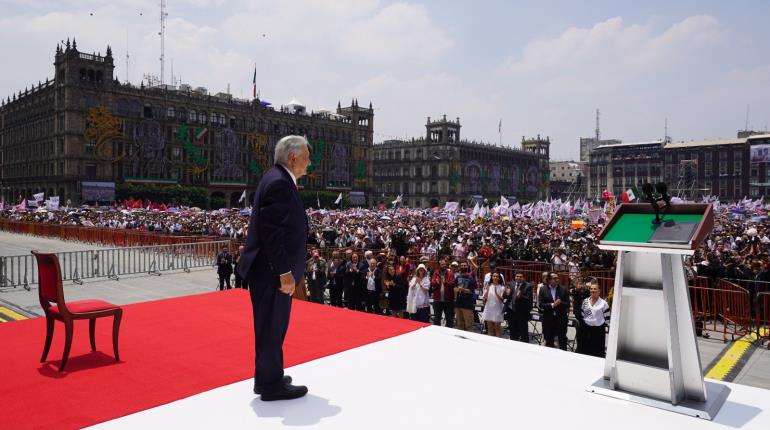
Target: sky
x=536, y=67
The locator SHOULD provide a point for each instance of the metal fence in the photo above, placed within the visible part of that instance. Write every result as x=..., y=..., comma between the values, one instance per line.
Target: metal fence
x=21, y=270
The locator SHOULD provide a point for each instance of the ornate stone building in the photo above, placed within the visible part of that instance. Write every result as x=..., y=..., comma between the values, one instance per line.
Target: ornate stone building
x=442, y=167
x=86, y=126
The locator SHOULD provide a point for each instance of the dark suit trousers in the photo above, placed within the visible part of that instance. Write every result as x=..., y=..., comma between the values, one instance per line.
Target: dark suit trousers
x=222, y=280
x=271, y=319
x=552, y=328
x=518, y=326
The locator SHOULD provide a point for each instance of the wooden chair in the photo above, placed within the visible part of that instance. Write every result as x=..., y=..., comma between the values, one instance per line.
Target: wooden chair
x=52, y=301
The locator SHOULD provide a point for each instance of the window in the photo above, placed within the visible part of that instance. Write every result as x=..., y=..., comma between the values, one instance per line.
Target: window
x=722, y=167
x=147, y=111
x=738, y=167
x=170, y=112
x=737, y=184
x=708, y=157
x=91, y=170
x=176, y=153
x=90, y=145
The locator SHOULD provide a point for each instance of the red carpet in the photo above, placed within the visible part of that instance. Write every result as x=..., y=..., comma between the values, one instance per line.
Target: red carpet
x=170, y=349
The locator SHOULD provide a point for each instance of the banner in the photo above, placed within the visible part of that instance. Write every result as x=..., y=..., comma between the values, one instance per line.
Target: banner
x=38, y=197
x=451, y=206
x=97, y=191
x=52, y=204
x=760, y=153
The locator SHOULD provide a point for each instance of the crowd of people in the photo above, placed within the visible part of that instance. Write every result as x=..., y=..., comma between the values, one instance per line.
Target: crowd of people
x=377, y=261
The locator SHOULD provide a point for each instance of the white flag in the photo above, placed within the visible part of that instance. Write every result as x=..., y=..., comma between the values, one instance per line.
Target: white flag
x=397, y=201
x=339, y=199
x=38, y=197
x=451, y=207
x=504, y=202
x=243, y=196
x=51, y=204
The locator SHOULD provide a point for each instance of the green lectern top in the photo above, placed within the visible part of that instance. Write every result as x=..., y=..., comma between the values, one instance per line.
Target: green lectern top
x=683, y=227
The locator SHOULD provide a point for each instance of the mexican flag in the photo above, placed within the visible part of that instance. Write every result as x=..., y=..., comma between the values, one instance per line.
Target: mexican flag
x=201, y=133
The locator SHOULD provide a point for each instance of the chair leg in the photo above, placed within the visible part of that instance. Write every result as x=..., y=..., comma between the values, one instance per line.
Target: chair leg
x=49, y=326
x=115, y=330
x=67, y=344
x=92, y=333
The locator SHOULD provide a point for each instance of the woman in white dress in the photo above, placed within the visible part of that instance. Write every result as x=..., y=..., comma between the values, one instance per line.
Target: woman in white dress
x=493, y=306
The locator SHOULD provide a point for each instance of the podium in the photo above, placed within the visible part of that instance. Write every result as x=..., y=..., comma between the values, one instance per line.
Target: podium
x=652, y=354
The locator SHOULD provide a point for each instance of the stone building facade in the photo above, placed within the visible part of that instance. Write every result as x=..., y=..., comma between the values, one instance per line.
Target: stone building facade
x=84, y=125
x=442, y=167
x=728, y=168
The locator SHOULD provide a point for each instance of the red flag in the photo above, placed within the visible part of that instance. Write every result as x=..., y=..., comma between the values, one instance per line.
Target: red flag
x=138, y=204
x=624, y=197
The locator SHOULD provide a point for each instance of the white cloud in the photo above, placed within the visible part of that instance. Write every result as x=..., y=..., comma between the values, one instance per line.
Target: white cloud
x=610, y=53
x=398, y=33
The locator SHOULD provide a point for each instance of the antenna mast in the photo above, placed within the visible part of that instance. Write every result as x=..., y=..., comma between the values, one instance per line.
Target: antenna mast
x=598, y=135
x=162, y=35
x=127, y=80
x=665, y=130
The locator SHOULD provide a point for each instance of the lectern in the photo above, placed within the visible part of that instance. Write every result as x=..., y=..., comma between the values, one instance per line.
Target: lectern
x=652, y=355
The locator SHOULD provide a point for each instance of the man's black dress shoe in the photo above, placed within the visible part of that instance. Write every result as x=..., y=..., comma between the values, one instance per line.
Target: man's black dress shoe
x=287, y=392
x=286, y=381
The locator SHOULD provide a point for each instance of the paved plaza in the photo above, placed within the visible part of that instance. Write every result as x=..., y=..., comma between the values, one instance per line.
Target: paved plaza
x=754, y=366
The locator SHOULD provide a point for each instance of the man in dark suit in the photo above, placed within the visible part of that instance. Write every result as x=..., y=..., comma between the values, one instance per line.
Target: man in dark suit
x=518, y=305
x=553, y=302
x=224, y=267
x=273, y=261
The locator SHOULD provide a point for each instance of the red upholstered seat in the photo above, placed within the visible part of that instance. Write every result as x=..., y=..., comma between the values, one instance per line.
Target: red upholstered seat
x=51, y=294
x=85, y=306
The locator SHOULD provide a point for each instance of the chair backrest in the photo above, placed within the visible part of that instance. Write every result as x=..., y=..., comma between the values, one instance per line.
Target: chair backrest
x=49, y=276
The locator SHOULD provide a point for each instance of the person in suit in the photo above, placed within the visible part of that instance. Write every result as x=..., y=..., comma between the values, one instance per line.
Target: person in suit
x=273, y=262
x=351, y=281
x=553, y=302
x=517, y=306
x=239, y=282
x=336, y=275
x=224, y=267
x=316, y=277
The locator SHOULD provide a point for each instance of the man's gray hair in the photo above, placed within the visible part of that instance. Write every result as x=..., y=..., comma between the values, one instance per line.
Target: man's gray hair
x=287, y=145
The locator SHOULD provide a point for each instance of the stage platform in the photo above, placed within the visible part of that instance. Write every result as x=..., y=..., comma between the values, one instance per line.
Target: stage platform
x=187, y=363
x=435, y=378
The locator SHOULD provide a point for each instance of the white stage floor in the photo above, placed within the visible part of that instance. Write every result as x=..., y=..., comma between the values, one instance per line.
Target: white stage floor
x=434, y=379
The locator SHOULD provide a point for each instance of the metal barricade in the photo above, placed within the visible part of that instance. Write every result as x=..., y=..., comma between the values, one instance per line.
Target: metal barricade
x=762, y=317
x=21, y=270
x=720, y=306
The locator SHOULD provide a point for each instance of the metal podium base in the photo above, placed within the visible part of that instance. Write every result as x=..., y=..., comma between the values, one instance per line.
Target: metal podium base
x=716, y=394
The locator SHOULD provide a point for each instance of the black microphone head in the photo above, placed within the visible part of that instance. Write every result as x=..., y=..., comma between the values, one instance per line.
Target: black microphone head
x=647, y=189
x=662, y=188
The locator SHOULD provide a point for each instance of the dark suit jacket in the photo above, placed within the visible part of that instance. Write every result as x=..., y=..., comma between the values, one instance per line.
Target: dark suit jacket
x=277, y=238
x=521, y=304
x=545, y=300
